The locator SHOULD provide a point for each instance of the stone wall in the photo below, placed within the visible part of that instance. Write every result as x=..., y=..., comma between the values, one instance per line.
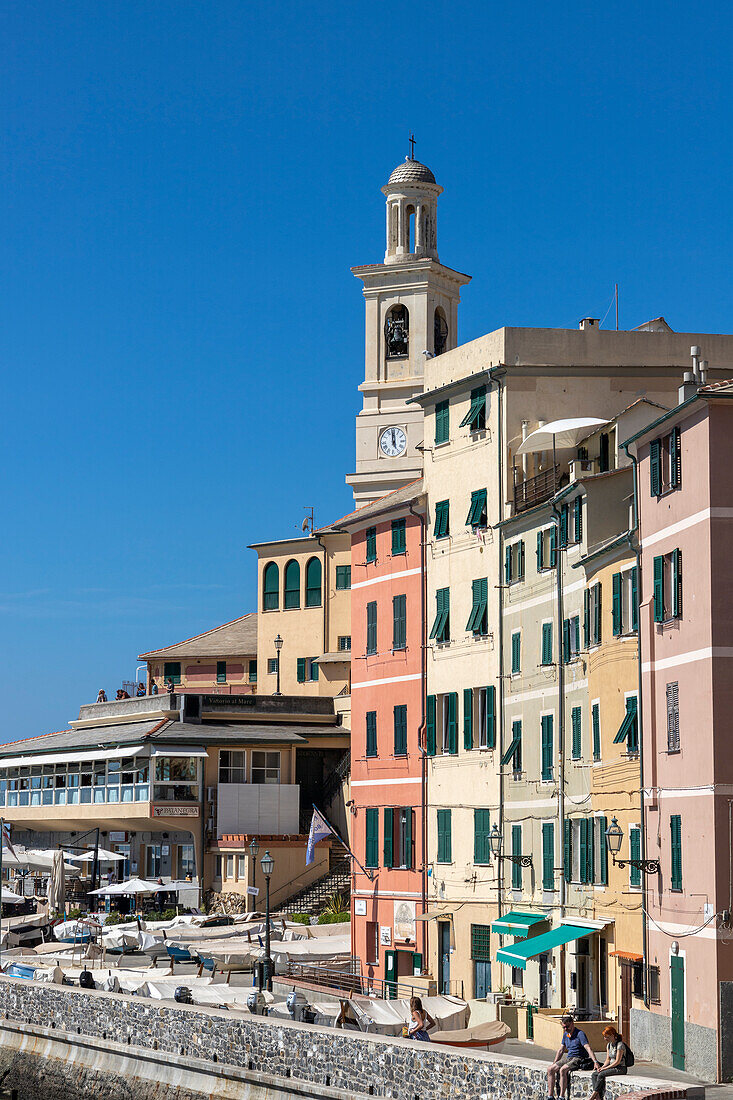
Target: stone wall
x=651, y=1038
x=306, y=1060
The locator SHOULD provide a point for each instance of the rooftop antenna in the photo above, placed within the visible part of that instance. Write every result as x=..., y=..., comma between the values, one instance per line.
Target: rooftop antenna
x=309, y=522
x=412, y=147
x=616, y=307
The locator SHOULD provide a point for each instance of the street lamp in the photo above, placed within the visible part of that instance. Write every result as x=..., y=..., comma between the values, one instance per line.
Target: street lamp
x=614, y=837
x=278, y=647
x=496, y=841
x=268, y=866
x=254, y=848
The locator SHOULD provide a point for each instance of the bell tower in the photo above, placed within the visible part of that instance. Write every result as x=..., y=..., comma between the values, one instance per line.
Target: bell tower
x=411, y=313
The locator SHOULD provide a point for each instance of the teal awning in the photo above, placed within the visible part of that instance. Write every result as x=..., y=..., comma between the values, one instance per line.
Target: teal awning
x=518, y=953
x=517, y=924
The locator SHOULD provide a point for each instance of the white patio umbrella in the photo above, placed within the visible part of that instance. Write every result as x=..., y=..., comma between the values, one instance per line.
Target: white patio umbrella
x=132, y=887
x=36, y=859
x=560, y=434
x=103, y=856
x=57, y=884
x=9, y=896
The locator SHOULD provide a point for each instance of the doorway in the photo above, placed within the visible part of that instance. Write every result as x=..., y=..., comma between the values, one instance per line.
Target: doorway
x=544, y=962
x=444, y=957
x=677, y=996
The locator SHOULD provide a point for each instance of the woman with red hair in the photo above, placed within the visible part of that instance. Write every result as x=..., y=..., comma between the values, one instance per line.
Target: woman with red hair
x=615, y=1064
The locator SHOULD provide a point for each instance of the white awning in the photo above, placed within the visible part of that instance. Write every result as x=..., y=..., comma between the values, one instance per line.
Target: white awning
x=71, y=757
x=177, y=750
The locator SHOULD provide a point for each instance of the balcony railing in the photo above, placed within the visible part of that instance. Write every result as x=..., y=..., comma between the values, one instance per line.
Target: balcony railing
x=535, y=490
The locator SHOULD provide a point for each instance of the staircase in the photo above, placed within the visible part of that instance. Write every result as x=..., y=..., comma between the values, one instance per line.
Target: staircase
x=312, y=898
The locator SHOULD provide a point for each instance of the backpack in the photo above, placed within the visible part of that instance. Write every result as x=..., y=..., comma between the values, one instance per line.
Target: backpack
x=630, y=1060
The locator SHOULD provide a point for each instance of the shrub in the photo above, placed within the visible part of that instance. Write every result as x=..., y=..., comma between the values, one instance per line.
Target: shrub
x=334, y=918
x=300, y=918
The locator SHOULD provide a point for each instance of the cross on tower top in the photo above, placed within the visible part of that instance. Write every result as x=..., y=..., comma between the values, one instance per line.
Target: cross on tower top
x=412, y=146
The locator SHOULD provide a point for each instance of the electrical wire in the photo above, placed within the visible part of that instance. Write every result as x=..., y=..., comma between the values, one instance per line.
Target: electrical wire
x=680, y=935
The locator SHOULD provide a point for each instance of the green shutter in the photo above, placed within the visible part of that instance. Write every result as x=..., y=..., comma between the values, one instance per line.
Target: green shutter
x=603, y=852
x=583, y=849
x=516, y=851
x=430, y=725
x=516, y=652
x=675, y=824
x=442, y=422
x=596, y=720
x=547, y=746
x=634, y=853
x=491, y=716
x=442, y=519
x=586, y=619
x=553, y=547
x=372, y=837
x=514, y=750
x=576, y=720
x=520, y=560
x=480, y=594
x=540, y=551
x=313, y=572
x=548, y=856
x=371, y=733
x=563, y=525
x=676, y=584
x=566, y=641
x=655, y=468
x=388, y=836
x=453, y=722
x=301, y=670
x=371, y=544
x=578, y=519
x=399, y=545
x=477, y=512
x=567, y=849
x=400, y=730
x=221, y=672
x=547, y=643
x=399, y=622
x=253, y=672
x=314, y=669
x=270, y=587
x=597, y=615
x=659, y=589
x=441, y=627
x=343, y=577
x=634, y=598
x=676, y=458
x=468, y=718
x=172, y=671
x=371, y=639
x=616, y=611
x=481, y=836
x=444, y=837
x=508, y=565
x=408, y=837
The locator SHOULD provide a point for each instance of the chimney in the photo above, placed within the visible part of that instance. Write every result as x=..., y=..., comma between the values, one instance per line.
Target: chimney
x=693, y=379
x=589, y=322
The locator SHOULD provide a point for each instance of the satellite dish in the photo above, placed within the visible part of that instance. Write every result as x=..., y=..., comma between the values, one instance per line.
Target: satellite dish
x=304, y=524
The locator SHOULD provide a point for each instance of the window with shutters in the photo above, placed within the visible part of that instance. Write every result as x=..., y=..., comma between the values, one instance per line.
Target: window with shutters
x=442, y=422
x=442, y=519
x=653, y=985
x=343, y=577
x=548, y=855
x=271, y=666
x=665, y=464
x=400, y=730
x=578, y=519
x=516, y=852
x=371, y=733
x=344, y=643
x=547, y=654
x=307, y=669
x=673, y=717
x=546, y=548
x=252, y=672
x=481, y=942
x=399, y=622
x=371, y=544
x=481, y=847
x=668, y=587
x=486, y=717
x=270, y=587
x=445, y=844
x=675, y=827
x=595, y=715
x=172, y=671
x=430, y=725
x=600, y=852
x=564, y=524
x=371, y=858
x=447, y=710
x=477, y=512
x=441, y=626
x=582, y=850
x=547, y=747
x=372, y=942
x=514, y=562
x=570, y=639
x=399, y=540
x=468, y=720
x=398, y=836
x=478, y=619
x=513, y=752
x=634, y=853
x=577, y=733
x=221, y=672
x=628, y=731
x=516, y=652
x=475, y=418
x=313, y=571
x=592, y=616
x=625, y=601
x=292, y=585
x=371, y=616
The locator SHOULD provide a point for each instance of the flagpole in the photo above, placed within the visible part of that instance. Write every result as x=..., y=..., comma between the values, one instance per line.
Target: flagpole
x=2, y=849
x=369, y=874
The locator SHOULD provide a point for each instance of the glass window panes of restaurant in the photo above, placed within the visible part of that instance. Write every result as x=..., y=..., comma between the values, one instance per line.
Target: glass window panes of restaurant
x=76, y=783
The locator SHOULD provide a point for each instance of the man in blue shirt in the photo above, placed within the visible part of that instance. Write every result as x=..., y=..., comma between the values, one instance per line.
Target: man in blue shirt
x=572, y=1053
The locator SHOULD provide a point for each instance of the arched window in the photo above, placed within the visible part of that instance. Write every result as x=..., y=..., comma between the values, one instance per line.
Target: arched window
x=313, y=583
x=440, y=332
x=409, y=229
x=397, y=332
x=292, y=584
x=270, y=587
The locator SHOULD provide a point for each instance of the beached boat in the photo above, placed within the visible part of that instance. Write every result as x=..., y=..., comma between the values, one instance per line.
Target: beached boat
x=490, y=1035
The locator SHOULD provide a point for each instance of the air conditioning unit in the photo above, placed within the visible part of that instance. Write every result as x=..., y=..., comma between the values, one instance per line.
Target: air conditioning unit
x=581, y=467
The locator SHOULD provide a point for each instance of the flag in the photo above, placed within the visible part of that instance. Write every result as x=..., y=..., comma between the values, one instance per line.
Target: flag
x=6, y=838
x=319, y=829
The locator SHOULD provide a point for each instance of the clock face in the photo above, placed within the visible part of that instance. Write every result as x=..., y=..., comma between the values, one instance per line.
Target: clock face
x=392, y=442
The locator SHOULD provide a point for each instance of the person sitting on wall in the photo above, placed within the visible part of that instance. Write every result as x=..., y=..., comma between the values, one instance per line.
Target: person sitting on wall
x=102, y=696
x=573, y=1053
x=153, y=687
x=170, y=687
x=421, y=1021
x=140, y=690
x=617, y=1060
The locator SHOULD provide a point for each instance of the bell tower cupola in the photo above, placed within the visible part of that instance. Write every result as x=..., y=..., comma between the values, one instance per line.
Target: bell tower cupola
x=411, y=303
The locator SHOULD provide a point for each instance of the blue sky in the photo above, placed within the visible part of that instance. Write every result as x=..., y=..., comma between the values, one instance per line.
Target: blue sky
x=184, y=188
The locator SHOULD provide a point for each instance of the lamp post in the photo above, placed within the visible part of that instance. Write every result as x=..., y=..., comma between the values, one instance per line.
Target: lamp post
x=496, y=841
x=278, y=647
x=253, y=850
x=268, y=866
x=614, y=837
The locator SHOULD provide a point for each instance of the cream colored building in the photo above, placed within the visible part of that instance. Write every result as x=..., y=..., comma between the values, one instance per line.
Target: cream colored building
x=304, y=598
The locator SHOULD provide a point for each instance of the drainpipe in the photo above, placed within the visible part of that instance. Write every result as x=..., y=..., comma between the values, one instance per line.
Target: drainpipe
x=640, y=721
x=421, y=738
x=496, y=374
x=560, y=728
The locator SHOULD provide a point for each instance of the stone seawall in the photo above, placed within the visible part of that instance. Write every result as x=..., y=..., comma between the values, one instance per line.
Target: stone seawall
x=70, y=1035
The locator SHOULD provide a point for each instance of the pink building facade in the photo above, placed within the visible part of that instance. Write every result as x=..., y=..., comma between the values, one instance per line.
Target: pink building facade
x=387, y=729
x=685, y=510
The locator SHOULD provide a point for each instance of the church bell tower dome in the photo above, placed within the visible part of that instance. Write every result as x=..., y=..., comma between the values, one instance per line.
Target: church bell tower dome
x=412, y=209
x=411, y=171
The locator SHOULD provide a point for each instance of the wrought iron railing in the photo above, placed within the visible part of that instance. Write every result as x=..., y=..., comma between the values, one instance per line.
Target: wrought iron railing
x=535, y=490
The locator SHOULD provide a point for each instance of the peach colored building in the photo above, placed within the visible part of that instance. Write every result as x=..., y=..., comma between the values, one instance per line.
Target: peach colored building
x=387, y=784
x=222, y=661
x=684, y=493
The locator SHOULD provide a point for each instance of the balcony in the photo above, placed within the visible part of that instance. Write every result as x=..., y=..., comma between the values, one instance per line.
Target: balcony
x=536, y=490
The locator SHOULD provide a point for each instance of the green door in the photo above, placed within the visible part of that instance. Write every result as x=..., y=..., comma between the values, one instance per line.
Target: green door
x=390, y=972
x=677, y=989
